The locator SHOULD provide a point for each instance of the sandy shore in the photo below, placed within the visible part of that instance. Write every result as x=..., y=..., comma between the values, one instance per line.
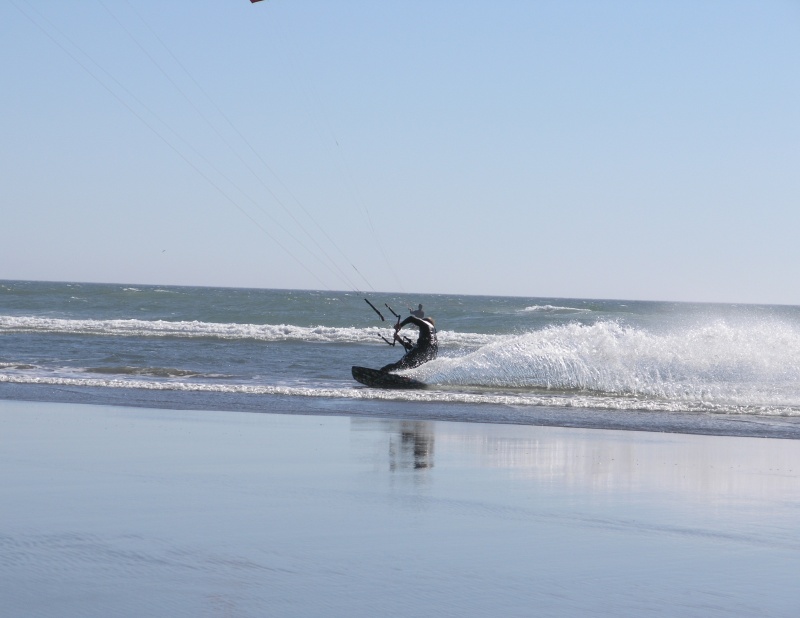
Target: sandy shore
x=132, y=512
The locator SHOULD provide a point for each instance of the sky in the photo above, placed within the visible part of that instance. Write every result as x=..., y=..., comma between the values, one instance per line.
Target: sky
x=581, y=149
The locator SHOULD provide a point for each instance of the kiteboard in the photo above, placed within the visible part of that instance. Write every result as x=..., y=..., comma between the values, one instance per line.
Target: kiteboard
x=383, y=379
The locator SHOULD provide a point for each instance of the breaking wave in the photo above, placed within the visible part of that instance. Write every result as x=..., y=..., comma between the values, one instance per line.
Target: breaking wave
x=226, y=331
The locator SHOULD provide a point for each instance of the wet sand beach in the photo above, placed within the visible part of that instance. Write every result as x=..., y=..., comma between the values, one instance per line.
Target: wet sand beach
x=130, y=512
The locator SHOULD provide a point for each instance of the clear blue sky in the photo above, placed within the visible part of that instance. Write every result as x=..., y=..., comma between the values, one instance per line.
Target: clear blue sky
x=628, y=149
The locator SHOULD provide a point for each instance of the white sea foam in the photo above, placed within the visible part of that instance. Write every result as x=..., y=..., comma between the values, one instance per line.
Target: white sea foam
x=228, y=331
x=443, y=395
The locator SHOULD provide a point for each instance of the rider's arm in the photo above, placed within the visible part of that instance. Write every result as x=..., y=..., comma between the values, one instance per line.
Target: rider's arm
x=412, y=319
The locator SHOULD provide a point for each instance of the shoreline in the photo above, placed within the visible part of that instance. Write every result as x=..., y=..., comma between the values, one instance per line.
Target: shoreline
x=685, y=423
x=115, y=510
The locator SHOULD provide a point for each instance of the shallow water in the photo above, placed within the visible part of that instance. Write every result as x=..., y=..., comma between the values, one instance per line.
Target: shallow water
x=618, y=364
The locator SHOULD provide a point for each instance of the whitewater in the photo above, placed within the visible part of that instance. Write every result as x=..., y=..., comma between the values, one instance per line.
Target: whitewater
x=722, y=369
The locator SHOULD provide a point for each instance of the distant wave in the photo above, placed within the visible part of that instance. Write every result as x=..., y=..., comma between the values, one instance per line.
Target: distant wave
x=227, y=331
x=20, y=366
x=156, y=290
x=555, y=309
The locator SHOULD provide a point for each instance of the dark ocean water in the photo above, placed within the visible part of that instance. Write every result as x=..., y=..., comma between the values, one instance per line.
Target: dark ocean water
x=653, y=366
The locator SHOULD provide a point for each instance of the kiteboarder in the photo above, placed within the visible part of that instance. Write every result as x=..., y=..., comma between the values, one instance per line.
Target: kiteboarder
x=417, y=312
x=423, y=351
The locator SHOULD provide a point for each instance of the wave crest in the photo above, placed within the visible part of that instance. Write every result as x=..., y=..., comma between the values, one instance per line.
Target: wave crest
x=226, y=331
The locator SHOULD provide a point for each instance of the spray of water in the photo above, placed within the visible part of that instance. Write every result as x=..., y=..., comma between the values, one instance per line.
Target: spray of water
x=752, y=364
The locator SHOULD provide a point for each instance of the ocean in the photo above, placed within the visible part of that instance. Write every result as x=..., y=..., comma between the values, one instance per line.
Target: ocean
x=717, y=369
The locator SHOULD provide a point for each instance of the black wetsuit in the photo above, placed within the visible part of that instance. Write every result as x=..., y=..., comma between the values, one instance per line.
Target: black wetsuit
x=425, y=349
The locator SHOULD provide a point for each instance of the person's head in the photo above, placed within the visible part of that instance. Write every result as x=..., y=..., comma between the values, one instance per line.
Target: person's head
x=420, y=307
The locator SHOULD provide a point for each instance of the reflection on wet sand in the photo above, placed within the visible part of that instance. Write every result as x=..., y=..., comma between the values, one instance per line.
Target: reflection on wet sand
x=695, y=467
x=698, y=468
x=411, y=445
